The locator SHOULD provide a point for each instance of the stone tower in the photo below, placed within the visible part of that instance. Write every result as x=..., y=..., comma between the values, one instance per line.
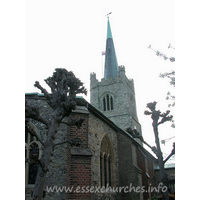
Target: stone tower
x=114, y=95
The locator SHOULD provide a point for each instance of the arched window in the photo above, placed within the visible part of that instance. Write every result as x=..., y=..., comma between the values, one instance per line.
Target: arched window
x=111, y=103
x=33, y=164
x=108, y=102
x=32, y=154
x=105, y=170
x=107, y=163
x=104, y=104
x=109, y=170
x=101, y=171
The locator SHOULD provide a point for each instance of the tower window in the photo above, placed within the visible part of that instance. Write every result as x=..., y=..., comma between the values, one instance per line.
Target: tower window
x=111, y=103
x=108, y=102
x=104, y=104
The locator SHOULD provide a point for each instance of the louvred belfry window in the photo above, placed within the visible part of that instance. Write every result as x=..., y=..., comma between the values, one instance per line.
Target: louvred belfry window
x=108, y=103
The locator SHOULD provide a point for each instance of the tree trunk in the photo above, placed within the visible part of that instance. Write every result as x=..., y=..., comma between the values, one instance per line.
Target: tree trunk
x=160, y=159
x=45, y=159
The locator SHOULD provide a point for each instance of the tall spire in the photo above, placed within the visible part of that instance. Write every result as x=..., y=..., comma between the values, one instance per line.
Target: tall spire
x=111, y=65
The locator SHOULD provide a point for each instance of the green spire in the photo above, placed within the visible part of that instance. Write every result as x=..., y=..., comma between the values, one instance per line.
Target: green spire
x=109, y=33
x=111, y=65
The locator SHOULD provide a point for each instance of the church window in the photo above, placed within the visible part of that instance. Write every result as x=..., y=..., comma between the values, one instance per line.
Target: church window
x=111, y=102
x=104, y=104
x=101, y=160
x=33, y=166
x=32, y=154
x=108, y=102
x=106, y=162
x=109, y=170
x=105, y=170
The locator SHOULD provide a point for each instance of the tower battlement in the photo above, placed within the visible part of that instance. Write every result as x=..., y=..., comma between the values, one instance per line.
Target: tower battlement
x=104, y=82
x=93, y=74
x=122, y=68
x=93, y=80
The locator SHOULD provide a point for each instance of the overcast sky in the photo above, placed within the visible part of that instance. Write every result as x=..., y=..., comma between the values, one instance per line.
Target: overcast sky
x=72, y=34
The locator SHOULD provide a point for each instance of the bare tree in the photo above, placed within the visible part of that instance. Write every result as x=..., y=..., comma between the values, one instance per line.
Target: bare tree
x=158, y=53
x=170, y=76
x=64, y=87
x=170, y=96
x=155, y=115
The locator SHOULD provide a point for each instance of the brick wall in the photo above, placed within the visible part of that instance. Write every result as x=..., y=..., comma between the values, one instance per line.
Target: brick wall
x=79, y=176
x=82, y=132
x=79, y=161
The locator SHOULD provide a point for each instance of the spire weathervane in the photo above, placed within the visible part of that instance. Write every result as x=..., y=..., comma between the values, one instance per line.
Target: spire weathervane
x=108, y=14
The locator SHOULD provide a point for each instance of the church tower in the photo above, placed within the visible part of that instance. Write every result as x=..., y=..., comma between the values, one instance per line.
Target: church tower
x=114, y=95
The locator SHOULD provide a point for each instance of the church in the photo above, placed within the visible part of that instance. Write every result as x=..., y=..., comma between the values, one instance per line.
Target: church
x=110, y=164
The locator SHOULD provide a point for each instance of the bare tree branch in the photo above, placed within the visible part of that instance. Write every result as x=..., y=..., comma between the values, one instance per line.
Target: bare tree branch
x=170, y=75
x=146, y=112
x=44, y=91
x=135, y=134
x=168, y=157
x=165, y=117
x=171, y=154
